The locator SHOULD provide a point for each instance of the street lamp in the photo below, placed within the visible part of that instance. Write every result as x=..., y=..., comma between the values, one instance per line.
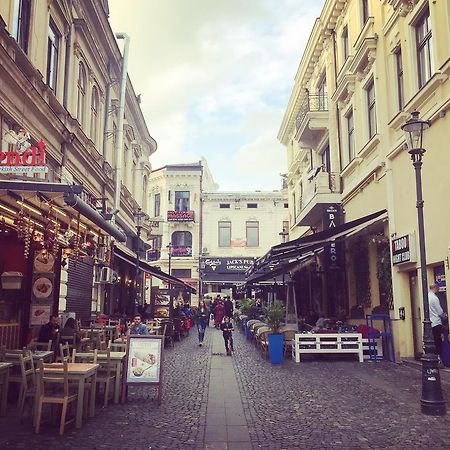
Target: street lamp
x=138, y=216
x=432, y=401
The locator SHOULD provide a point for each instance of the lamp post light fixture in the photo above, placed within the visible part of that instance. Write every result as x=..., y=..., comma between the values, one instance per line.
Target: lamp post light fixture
x=432, y=401
x=138, y=217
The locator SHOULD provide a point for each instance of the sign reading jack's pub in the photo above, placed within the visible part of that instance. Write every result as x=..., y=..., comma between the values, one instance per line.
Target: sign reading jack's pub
x=404, y=249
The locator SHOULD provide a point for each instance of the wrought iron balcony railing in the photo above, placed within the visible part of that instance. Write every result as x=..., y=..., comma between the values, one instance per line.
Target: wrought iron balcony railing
x=312, y=102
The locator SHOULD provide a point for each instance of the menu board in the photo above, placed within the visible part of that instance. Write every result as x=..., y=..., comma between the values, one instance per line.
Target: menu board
x=40, y=314
x=144, y=361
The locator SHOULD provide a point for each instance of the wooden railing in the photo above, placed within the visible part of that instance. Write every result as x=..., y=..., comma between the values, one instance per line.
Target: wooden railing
x=9, y=335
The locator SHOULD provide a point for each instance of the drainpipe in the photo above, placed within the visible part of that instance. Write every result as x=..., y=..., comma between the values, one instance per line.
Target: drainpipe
x=200, y=241
x=338, y=119
x=121, y=114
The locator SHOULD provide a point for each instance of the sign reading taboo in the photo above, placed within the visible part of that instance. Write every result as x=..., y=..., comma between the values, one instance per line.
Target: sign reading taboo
x=180, y=216
x=404, y=250
x=144, y=362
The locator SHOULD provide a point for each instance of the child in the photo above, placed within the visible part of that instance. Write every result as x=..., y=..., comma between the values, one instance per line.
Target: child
x=227, y=328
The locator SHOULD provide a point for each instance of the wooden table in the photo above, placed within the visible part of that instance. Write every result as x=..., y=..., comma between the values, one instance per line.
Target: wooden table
x=4, y=382
x=12, y=356
x=79, y=372
x=117, y=358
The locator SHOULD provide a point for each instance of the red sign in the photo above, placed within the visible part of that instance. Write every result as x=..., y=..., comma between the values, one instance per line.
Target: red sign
x=24, y=159
x=180, y=216
x=181, y=251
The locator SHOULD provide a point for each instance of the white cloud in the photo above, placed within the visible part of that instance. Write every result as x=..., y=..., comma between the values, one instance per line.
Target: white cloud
x=215, y=79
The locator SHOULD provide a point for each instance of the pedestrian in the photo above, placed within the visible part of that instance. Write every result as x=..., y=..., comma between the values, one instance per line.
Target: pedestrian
x=228, y=307
x=219, y=312
x=436, y=316
x=201, y=320
x=138, y=328
x=49, y=331
x=227, y=331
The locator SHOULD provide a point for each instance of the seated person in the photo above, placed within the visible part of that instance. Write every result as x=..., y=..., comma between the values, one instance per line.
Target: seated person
x=137, y=327
x=70, y=332
x=49, y=331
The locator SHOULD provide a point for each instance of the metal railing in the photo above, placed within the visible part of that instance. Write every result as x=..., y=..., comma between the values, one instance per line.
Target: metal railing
x=312, y=102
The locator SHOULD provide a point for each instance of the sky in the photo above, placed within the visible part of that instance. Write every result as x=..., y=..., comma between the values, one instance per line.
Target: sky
x=215, y=77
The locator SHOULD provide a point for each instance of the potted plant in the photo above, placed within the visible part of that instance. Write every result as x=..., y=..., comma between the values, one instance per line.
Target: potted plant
x=248, y=309
x=275, y=315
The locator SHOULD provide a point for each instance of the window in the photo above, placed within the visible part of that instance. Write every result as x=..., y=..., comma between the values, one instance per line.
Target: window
x=157, y=210
x=224, y=205
x=345, y=47
x=224, y=234
x=350, y=137
x=322, y=93
x=372, y=116
x=182, y=273
x=399, y=69
x=252, y=205
x=252, y=228
x=52, y=54
x=81, y=88
x=182, y=239
x=94, y=115
x=365, y=11
x=21, y=23
x=325, y=157
x=285, y=225
x=286, y=205
x=181, y=200
x=156, y=243
x=424, y=48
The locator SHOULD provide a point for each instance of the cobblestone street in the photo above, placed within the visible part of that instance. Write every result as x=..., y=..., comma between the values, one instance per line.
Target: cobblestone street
x=215, y=402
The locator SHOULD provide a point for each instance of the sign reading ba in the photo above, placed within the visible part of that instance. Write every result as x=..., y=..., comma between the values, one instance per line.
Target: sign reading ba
x=332, y=218
x=21, y=156
x=180, y=216
x=404, y=250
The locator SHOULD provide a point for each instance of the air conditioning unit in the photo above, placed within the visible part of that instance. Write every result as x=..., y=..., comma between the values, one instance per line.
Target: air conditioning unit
x=108, y=276
x=205, y=251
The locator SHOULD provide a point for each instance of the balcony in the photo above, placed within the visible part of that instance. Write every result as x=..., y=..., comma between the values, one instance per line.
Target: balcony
x=321, y=189
x=312, y=120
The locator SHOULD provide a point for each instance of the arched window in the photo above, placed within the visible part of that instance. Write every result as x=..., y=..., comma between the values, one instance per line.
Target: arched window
x=181, y=243
x=81, y=88
x=94, y=115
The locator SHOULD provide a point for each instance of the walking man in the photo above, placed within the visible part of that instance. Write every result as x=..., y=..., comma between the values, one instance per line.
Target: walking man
x=436, y=316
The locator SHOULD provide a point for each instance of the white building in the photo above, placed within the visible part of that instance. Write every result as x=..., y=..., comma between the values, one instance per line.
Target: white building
x=176, y=212
x=237, y=228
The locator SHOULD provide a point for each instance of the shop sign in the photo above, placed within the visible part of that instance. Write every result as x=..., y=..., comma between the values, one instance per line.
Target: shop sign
x=332, y=218
x=154, y=224
x=152, y=254
x=226, y=265
x=404, y=250
x=181, y=251
x=21, y=156
x=180, y=216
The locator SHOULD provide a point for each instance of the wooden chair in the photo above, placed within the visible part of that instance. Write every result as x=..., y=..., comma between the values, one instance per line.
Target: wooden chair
x=89, y=383
x=28, y=386
x=106, y=374
x=289, y=337
x=60, y=397
x=64, y=352
x=15, y=375
x=168, y=332
x=118, y=346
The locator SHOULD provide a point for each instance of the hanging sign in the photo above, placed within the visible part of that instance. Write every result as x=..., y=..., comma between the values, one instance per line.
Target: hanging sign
x=21, y=156
x=404, y=250
x=332, y=218
x=144, y=362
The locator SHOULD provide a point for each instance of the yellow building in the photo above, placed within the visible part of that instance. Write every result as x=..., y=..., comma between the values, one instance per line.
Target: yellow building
x=60, y=80
x=367, y=65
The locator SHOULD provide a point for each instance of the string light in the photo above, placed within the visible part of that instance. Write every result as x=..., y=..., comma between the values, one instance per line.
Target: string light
x=30, y=208
x=12, y=211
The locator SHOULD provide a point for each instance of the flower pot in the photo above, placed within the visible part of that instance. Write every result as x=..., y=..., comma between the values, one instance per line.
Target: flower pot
x=276, y=348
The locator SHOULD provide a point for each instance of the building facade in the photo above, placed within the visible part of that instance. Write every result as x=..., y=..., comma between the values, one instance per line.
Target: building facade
x=238, y=227
x=368, y=64
x=175, y=193
x=60, y=72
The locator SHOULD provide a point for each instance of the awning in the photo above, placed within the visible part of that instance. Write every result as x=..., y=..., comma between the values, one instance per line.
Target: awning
x=62, y=196
x=130, y=257
x=284, y=257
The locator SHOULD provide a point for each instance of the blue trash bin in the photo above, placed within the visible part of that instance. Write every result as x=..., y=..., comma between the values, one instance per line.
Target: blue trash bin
x=276, y=348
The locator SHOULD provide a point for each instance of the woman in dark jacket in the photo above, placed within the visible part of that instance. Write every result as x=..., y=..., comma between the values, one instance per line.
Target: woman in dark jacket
x=201, y=319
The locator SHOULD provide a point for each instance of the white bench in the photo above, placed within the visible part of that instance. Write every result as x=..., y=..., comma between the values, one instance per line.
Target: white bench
x=305, y=343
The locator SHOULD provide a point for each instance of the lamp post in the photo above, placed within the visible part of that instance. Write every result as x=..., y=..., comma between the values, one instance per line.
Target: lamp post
x=138, y=220
x=432, y=401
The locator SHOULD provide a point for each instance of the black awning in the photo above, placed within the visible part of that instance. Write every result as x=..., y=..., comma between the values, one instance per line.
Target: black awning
x=130, y=257
x=224, y=277
x=94, y=216
x=283, y=257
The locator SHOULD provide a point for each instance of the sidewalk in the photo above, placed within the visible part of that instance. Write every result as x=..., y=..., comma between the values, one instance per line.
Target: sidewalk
x=226, y=426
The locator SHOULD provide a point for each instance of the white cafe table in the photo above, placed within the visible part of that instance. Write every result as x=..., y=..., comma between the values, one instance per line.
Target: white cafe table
x=117, y=358
x=79, y=372
x=4, y=383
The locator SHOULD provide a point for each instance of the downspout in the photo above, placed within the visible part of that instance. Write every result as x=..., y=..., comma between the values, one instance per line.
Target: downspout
x=200, y=240
x=121, y=114
x=338, y=118
x=66, y=88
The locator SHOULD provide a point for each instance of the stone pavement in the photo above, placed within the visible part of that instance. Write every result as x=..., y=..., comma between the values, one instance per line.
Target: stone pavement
x=215, y=402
